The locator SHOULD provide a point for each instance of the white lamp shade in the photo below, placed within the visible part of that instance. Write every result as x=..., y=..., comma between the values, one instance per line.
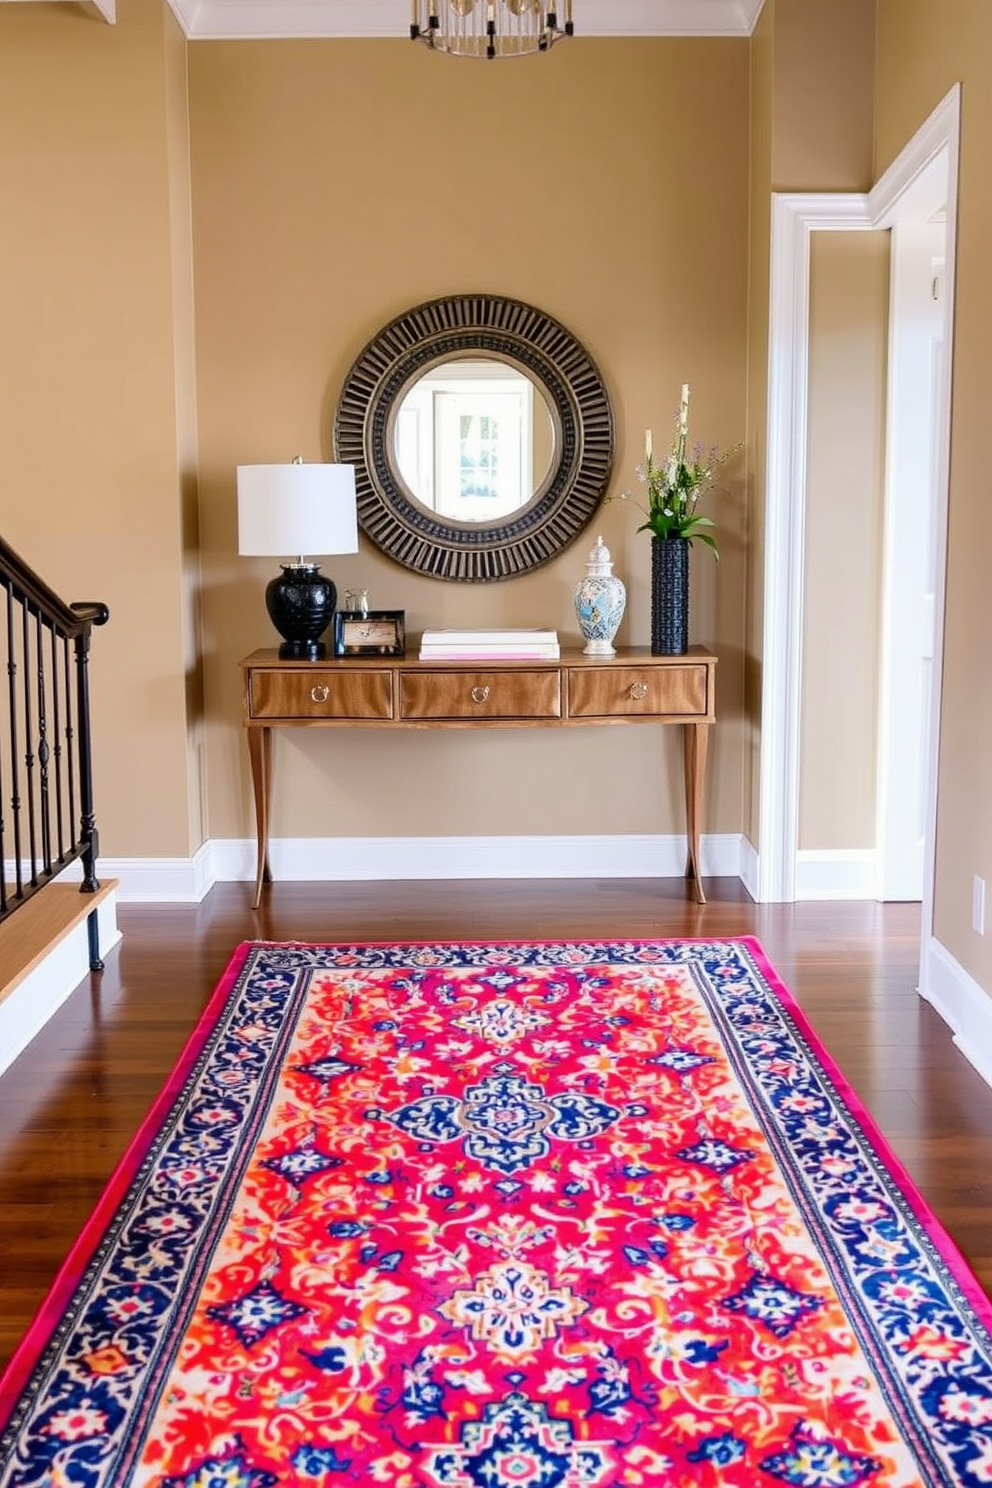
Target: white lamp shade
x=286, y=510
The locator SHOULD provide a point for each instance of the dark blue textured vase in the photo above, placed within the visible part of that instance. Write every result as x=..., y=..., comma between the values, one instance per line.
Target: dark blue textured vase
x=669, y=596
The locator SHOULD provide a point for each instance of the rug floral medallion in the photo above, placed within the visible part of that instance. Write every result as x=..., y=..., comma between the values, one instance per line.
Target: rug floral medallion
x=543, y=1215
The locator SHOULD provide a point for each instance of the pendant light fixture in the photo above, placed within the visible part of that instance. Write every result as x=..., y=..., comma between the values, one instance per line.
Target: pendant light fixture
x=491, y=28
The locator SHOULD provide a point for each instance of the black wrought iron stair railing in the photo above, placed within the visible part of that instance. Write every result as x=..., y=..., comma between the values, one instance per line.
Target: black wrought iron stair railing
x=47, y=818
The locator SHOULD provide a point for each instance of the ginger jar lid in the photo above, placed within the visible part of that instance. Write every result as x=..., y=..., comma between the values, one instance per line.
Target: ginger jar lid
x=600, y=564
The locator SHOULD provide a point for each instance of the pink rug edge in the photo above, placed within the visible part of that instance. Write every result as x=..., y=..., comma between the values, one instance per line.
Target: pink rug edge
x=31, y=1346
x=944, y=1242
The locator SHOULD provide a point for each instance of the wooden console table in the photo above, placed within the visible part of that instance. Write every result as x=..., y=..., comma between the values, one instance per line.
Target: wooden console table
x=402, y=692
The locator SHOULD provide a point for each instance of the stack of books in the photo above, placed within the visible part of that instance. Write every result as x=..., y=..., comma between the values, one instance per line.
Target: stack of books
x=489, y=645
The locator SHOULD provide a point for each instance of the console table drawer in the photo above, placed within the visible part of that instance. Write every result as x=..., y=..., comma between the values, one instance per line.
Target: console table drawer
x=611, y=692
x=314, y=694
x=480, y=695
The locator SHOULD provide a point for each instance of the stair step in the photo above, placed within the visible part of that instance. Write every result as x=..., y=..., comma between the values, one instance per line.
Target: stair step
x=37, y=927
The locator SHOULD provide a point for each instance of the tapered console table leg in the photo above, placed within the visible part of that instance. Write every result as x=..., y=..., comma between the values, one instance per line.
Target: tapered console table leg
x=260, y=760
x=695, y=737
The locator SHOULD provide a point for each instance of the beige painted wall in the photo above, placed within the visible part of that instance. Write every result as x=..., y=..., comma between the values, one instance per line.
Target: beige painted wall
x=849, y=285
x=336, y=184
x=924, y=48
x=184, y=331
x=88, y=355
x=824, y=95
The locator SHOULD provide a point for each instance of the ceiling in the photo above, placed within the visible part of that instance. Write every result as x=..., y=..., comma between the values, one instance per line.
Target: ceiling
x=206, y=20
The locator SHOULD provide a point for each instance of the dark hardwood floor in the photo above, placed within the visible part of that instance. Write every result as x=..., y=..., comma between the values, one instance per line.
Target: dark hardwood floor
x=72, y=1101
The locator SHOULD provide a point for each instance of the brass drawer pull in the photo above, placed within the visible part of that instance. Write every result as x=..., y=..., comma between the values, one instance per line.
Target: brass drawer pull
x=480, y=694
x=320, y=693
x=638, y=691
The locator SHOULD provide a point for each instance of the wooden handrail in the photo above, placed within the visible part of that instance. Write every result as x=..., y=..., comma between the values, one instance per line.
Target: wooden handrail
x=41, y=600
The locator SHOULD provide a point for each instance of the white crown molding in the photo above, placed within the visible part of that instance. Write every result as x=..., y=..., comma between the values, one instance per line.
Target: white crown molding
x=243, y=20
x=271, y=20
x=107, y=8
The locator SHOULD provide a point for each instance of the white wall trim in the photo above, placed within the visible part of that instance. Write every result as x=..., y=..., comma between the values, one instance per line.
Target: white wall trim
x=357, y=859
x=893, y=199
x=750, y=868
x=962, y=1003
x=845, y=873
x=794, y=218
x=835, y=873
x=157, y=880
x=107, y=8
x=912, y=523
x=43, y=991
x=213, y=20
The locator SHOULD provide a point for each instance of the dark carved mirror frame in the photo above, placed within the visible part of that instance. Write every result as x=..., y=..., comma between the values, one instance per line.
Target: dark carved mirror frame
x=457, y=326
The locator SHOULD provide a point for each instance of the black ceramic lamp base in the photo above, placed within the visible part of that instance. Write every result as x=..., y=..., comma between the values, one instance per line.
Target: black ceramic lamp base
x=301, y=602
x=302, y=651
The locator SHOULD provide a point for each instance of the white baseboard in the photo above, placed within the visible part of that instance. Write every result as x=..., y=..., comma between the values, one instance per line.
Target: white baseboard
x=836, y=874
x=962, y=1003
x=42, y=992
x=750, y=865
x=828, y=874
x=339, y=859
x=164, y=880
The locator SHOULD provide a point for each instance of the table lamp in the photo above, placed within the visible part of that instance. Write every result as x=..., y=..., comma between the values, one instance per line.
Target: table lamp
x=304, y=509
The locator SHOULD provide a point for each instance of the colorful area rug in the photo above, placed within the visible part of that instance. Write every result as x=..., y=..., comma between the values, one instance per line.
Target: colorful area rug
x=551, y=1215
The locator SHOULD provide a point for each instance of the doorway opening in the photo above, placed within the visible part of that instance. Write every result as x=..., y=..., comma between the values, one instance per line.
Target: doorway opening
x=918, y=187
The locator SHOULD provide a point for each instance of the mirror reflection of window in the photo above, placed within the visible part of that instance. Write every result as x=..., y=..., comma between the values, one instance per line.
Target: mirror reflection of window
x=472, y=443
x=483, y=452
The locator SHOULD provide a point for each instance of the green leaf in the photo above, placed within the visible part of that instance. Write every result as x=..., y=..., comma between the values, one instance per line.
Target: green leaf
x=704, y=537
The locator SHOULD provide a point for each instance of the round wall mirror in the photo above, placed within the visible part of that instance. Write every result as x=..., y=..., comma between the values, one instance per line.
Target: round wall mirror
x=482, y=437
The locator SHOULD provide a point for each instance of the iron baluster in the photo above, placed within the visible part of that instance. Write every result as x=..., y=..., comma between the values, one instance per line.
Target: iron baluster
x=44, y=752
x=69, y=737
x=28, y=752
x=57, y=747
x=4, y=904
x=15, y=799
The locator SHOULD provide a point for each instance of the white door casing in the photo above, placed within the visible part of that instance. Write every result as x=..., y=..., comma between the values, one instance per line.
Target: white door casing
x=915, y=414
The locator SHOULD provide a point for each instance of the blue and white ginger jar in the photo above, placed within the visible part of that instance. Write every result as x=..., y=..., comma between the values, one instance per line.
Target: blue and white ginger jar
x=600, y=599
